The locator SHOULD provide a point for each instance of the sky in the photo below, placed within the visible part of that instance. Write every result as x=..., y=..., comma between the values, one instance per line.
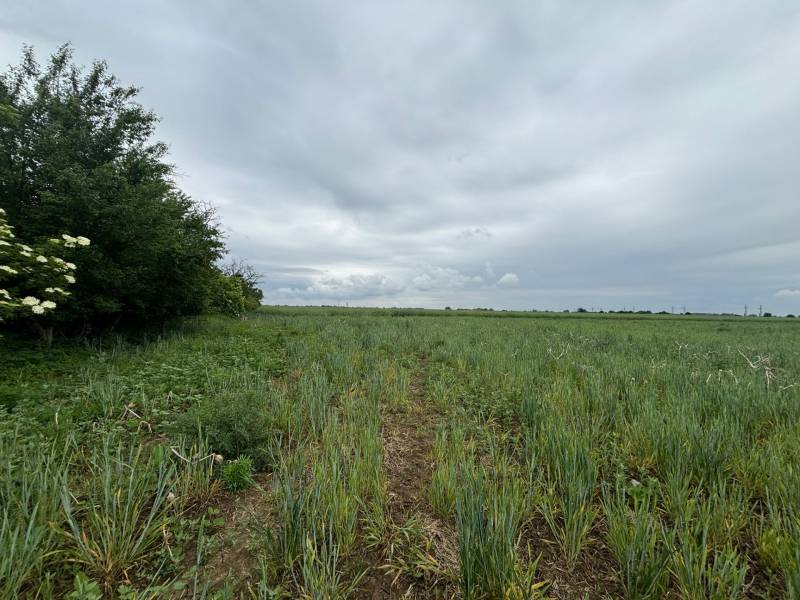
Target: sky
x=515, y=155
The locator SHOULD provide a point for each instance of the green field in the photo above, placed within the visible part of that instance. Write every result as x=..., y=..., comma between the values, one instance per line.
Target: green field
x=329, y=453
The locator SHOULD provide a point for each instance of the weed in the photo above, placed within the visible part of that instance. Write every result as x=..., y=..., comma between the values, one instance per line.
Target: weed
x=237, y=475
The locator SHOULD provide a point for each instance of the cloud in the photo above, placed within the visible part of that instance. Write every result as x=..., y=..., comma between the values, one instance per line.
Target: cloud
x=349, y=287
x=787, y=293
x=389, y=152
x=474, y=232
x=359, y=286
x=442, y=278
x=508, y=280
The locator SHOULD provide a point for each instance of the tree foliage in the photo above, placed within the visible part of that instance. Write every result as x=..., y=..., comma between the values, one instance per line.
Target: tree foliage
x=77, y=154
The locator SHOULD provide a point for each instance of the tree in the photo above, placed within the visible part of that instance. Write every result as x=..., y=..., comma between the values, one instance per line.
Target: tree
x=248, y=279
x=77, y=154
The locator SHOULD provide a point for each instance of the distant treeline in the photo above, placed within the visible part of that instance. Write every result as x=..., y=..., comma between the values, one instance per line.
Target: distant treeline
x=331, y=310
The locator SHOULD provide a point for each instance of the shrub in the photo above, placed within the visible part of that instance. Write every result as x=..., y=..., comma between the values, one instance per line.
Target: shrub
x=235, y=425
x=224, y=295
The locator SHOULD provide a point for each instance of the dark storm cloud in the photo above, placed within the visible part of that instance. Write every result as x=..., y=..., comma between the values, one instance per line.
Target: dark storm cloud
x=520, y=154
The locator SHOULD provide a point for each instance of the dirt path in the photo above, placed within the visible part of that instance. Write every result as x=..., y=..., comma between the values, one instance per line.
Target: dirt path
x=408, y=437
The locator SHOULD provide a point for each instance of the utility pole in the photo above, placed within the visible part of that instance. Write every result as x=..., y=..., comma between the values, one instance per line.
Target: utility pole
x=684, y=309
x=672, y=309
x=745, y=310
x=760, y=312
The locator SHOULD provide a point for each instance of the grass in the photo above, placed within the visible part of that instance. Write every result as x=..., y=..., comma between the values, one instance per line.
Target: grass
x=637, y=456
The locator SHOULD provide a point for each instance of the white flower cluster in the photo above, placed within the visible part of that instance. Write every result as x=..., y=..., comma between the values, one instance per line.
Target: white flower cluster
x=71, y=242
x=38, y=307
x=30, y=269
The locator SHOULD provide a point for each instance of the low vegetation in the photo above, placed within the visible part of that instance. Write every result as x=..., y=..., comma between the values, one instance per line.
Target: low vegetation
x=331, y=454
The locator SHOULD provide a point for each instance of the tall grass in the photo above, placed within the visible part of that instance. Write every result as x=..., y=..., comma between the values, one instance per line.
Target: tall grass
x=117, y=518
x=488, y=516
x=570, y=480
x=32, y=481
x=636, y=538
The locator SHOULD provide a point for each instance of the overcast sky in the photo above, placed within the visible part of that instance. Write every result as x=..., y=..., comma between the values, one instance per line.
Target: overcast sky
x=508, y=154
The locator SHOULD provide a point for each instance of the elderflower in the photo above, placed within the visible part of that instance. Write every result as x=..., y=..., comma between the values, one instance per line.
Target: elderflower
x=8, y=269
x=37, y=309
x=48, y=304
x=70, y=266
x=68, y=238
x=41, y=259
x=83, y=241
x=4, y=243
x=69, y=278
x=5, y=294
x=30, y=301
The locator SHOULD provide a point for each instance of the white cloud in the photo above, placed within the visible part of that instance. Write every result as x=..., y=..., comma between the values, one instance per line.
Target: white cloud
x=508, y=280
x=349, y=287
x=355, y=286
x=442, y=278
x=787, y=293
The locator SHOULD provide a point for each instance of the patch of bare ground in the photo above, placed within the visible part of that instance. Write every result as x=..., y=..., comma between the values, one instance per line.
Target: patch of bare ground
x=408, y=437
x=231, y=558
x=594, y=576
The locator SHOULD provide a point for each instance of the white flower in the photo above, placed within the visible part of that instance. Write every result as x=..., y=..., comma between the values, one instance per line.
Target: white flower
x=68, y=238
x=25, y=248
x=83, y=241
x=56, y=290
x=54, y=241
x=25, y=253
x=37, y=310
x=4, y=243
x=5, y=294
x=70, y=266
x=41, y=259
x=8, y=269
x=2, y=211
x=69, y=278
x=30, y=301
x=48, y=304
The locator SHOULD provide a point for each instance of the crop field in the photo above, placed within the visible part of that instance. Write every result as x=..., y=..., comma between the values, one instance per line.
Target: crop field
x=347, y=453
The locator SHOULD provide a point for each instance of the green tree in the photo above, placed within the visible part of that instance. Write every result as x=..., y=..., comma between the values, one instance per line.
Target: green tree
x=77, y=154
